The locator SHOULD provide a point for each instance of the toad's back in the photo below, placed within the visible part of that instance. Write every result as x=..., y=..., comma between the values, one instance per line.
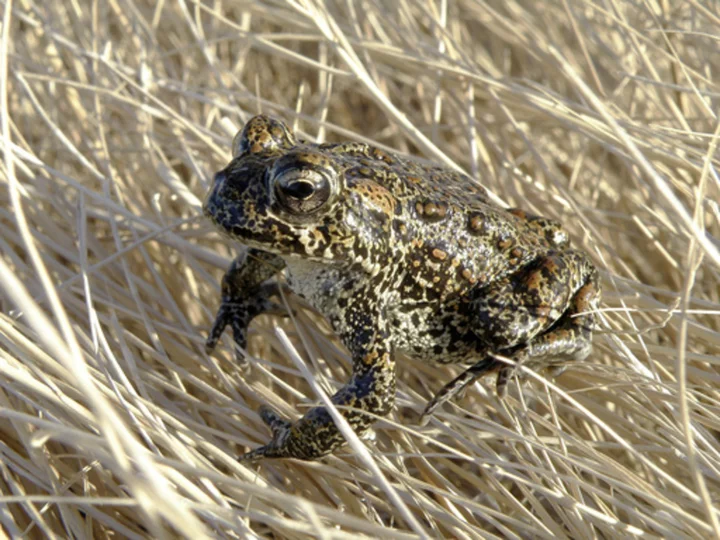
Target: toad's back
x=445, y=233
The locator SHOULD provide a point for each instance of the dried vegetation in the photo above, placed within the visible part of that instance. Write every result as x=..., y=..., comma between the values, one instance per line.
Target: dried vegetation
x=114, y=116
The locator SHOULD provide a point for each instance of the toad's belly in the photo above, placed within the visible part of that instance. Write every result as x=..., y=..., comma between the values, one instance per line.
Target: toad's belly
x=429, y=334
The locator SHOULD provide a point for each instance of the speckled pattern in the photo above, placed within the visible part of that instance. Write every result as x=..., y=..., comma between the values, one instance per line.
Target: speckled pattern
x=399, y=256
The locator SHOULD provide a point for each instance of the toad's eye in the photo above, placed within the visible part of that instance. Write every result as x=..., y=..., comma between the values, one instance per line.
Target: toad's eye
x=302, y=191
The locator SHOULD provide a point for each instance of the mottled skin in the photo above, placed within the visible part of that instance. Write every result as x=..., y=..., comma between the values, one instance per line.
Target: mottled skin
x=400, y=257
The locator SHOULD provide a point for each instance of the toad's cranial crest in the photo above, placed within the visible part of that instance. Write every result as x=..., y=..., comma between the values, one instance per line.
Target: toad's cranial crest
x=399, y=256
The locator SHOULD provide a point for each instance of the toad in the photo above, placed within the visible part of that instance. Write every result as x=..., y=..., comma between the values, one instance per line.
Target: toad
x=400, y=257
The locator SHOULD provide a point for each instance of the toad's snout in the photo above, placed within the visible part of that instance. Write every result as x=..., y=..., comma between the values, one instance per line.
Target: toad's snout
x=214, y=195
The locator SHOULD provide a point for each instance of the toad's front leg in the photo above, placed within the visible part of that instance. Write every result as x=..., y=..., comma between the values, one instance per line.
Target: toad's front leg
x=369, y=393
x=245, y=295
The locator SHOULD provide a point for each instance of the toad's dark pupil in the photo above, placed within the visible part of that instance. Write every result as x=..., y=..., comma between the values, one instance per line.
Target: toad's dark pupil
x=299, y=190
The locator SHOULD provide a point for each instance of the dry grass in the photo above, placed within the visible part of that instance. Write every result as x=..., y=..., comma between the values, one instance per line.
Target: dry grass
x=115, y=115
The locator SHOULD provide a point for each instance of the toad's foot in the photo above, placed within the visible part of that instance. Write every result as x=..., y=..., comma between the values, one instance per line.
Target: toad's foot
x=245, y=296
x=280, y=429
x=457, y=385
x=238, y=313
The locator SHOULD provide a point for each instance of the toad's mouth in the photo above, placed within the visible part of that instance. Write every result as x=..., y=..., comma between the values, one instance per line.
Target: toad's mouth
x=248, y=228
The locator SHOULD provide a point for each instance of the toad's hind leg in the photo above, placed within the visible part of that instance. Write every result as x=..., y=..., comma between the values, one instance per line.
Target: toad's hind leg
x=529, y=302
x=569, y=339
